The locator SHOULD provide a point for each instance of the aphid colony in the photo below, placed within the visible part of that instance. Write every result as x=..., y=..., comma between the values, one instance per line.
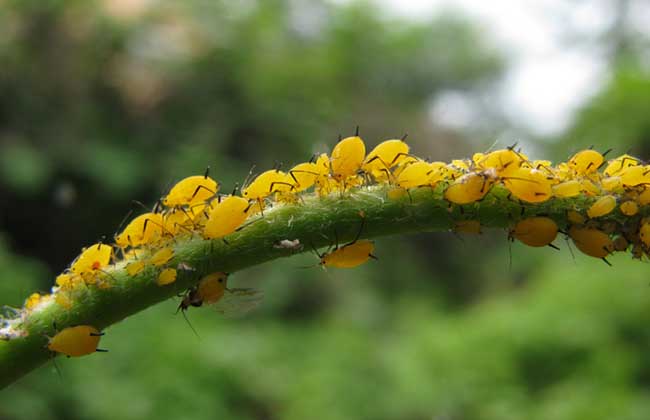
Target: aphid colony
x=617, y=192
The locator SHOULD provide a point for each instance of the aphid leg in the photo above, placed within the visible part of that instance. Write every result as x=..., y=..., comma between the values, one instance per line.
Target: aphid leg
x=606, y=262
x=554, y=246
x=97, y=334
x=374, y=257
x=56, y=366
x=101, y=350
x=248, y=177
x=198, y=188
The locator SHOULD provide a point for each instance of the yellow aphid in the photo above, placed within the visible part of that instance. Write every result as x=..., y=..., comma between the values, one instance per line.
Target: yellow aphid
x=629, y=208
x=267, y=183
x=191, y=190
x=210, y=289
x=144, y=229
x=586, y=162
x=438, y=173
x=575, y=218
x=535, y=231
x=385, y=156
x=93, y=258
x=347, y=157
x=162, y=256
x=567, y=189
x=64, y=281
x=414, y=175
x=644, y=232
x=635, y=175
x=178, y=220
x=592, y=242
x=611, y=184
x=530, y=185
x=76, y=341
x=471, y=187
x=644, y=196
x=134, y=268
x=504, y=162
x=226, y=217
x=396, y=193
x=589, y=187
x=616, y=166
x=348, y=256
x=63, y=300
x=304, y=175
x=468, y=226
x=166, y=276
x=602, y=207
x=32, y=301
x=461, y=164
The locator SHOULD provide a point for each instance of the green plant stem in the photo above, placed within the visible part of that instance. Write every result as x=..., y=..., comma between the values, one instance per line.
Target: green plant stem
x=314, y=221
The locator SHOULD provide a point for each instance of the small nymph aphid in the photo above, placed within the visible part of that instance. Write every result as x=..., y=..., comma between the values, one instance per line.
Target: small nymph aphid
x=166, y=276
x=602, y=207
x=92, y=259
x=76, y=341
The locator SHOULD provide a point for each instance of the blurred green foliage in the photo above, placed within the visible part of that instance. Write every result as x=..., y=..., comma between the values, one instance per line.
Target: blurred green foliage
x=104, y=102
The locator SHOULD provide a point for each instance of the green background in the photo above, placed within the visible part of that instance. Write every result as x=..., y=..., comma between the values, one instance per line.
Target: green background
x=102, y=103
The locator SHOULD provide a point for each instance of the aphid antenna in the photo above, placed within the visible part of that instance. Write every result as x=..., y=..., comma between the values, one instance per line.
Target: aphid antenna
x=494, y=143
x=139, y=203
x=189, y=323
x=510, y=240
x=119, y=227
x=573, y=256
x=158, y=207
x=248, y=178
